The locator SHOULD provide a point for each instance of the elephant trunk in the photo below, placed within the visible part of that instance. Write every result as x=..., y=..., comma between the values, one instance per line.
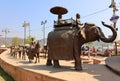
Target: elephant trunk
x=110, y=39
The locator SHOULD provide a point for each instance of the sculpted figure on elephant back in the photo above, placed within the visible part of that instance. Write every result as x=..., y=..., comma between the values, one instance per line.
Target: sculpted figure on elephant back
x=64, y=43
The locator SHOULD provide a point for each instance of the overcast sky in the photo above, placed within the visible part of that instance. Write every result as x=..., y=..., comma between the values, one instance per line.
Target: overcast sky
x=13, y=13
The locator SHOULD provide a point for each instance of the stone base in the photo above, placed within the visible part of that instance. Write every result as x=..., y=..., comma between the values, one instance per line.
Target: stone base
x=22, y=70
x=113, y=63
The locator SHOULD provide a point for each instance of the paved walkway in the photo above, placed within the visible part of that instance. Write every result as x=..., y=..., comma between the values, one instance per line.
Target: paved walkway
x=90, y=72
x=114, y=63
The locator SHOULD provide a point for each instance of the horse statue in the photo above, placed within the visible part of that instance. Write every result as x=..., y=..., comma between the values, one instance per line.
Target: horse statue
x=44, y=51
x=34, y=52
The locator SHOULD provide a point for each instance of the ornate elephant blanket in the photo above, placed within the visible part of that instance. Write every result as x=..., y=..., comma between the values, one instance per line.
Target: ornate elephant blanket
x=60, y=44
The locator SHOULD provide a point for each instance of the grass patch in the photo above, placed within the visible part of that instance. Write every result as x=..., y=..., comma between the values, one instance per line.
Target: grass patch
x=4, y=76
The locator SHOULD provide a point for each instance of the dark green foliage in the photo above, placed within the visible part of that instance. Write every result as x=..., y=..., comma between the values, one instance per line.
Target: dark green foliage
x=4, y=76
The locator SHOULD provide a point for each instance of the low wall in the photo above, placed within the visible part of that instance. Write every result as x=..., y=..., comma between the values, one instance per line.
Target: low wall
x=20, y=74
x=2, y=50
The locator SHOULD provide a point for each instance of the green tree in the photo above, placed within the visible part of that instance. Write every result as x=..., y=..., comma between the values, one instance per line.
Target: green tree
x=15, y=41
x=90, y=43
x=28, y=39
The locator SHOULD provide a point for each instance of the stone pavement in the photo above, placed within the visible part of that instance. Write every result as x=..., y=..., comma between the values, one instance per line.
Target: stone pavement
x=90, y=72
x=114, y=63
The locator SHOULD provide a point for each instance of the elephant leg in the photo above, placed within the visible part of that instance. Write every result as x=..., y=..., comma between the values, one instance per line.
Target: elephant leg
x=35, y=59
x=29, y=60
x=78, y=66
x=24, y=57
x=77, y=54
x=38, y=59
x=49, y=62
x=45, y=54
x=38, y=56
x=56, y=63
x=78, y=63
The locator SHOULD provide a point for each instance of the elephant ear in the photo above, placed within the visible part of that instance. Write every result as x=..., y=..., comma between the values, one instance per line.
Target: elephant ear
x=88, y=24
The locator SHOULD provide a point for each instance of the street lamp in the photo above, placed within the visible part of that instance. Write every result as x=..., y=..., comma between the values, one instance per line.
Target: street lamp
x=25, y=25
x=6, y=31
x=114, y=19
x=29, y=32
x=43, y=23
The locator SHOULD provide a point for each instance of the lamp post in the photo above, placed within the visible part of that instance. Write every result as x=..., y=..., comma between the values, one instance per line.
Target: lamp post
x=6, y=31
x=29, y=32
x=114, y=19
x=43, y=23
x=25, y=25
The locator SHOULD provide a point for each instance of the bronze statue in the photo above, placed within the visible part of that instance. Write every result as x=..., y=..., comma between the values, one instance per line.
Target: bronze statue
x=34, y=52
x=80, y=26
x=64, y=43
x=32, y=43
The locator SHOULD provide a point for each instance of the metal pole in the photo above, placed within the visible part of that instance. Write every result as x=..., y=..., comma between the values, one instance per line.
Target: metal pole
x=6, y=32
x=43, y=23
x=29, y=32
x=24, y=34
x=25, y=25
x=44, y=34
x=6, y=38
x=116, y=53
x=113, y=5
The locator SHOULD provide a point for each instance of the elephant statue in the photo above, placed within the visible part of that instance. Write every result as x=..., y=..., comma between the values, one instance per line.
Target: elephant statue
x=65, y=41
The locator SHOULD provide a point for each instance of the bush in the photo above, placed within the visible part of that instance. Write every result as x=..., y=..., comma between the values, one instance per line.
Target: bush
x=4, y=76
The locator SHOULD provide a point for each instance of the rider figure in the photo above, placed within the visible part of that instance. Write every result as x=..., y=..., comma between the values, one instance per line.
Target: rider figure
x=80, y=26
x=32, y=44
x=78, y=22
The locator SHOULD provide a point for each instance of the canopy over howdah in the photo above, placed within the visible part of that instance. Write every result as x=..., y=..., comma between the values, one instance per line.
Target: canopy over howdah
x=58, y=10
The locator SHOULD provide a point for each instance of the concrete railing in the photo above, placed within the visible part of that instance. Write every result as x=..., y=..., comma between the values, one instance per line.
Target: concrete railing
x=21, y=74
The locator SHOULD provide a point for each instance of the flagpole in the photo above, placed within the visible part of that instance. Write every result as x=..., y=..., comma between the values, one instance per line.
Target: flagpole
x=114, y=18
